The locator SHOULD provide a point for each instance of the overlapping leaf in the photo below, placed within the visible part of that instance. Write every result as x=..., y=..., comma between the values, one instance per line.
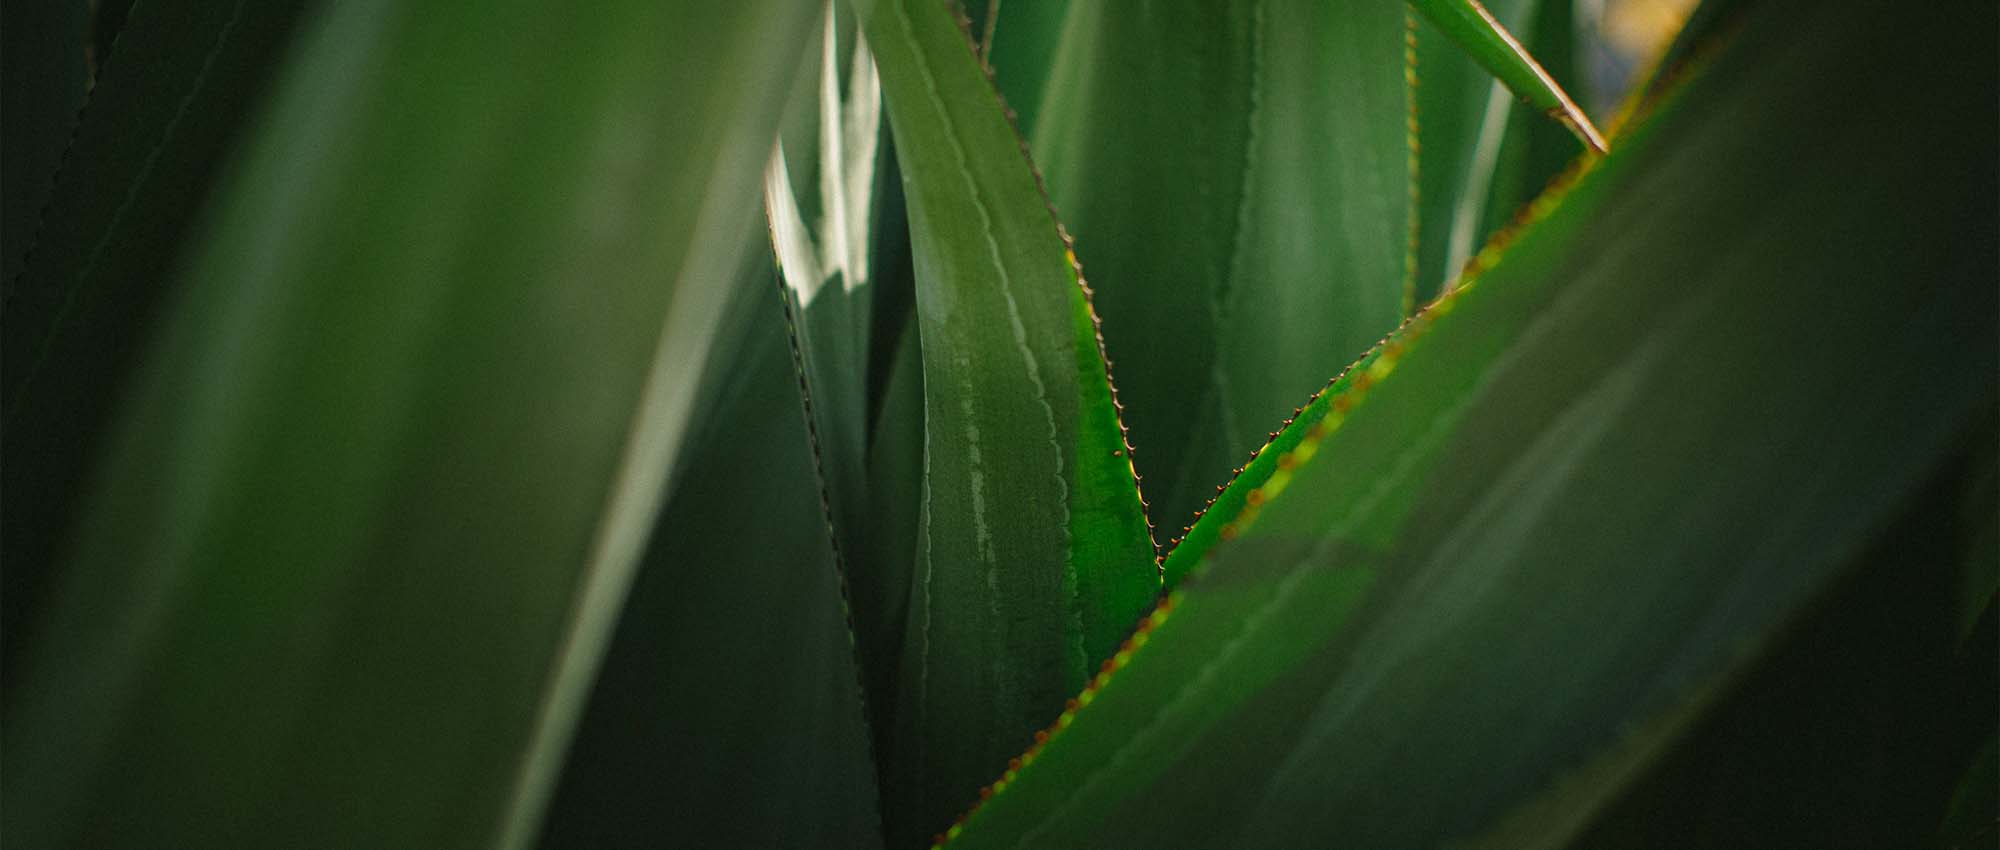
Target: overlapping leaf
x=81, y=299
x=820, y=196
x=1237, y=179
x=1492, y=574
x=1019, y=42
x=1482, y=154
x=1482, y=37
x=1033, y=553
x=376, y=496
x=728, y=710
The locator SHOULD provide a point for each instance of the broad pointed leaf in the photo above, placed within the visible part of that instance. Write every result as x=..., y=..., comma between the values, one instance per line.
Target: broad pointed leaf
x=1537, y=534
x=1034, y=558
x=1482, y=37
x=1237, y=178
x=375, y=499
x=728, y=711
x=1482, y=155
x=1019, y=42
x=820, y=197
x=82, y=298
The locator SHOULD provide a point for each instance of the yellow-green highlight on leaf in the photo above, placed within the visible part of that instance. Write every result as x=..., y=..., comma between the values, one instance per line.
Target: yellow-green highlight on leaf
x=1476, y=32
x=1242, y=257
x=1034, y=556
x=1544, y=495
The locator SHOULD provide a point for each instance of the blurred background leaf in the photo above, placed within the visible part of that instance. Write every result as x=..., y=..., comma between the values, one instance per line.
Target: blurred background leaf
x=728, y=711
x=379, y=489
x=107, y=246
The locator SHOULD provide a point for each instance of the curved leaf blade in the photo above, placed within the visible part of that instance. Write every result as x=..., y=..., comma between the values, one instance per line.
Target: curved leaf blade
x=1481, y=159
x=1532, y=530
x=1475, y=31
x=143, y=160
x=378, y=493
x=1034, y=554
x=728, y=711
x=1237, y=178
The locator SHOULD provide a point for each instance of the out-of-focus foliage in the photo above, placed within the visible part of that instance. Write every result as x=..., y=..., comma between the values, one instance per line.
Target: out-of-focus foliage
x=414, y=436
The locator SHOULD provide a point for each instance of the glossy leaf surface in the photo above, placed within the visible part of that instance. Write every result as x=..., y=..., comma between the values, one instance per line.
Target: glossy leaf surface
x=1514, y=554
x=1033, y=555
x=1237, y=179
x=1476, y=31
x=1482, y=155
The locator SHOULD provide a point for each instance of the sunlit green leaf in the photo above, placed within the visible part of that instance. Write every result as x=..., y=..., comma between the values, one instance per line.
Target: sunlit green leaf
x=1481, y=154
x=1533, y=538
x=1033, y=556
x=1481, y=36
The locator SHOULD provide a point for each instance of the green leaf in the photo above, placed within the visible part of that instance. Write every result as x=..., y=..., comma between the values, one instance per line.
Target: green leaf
x=186, y=82
x=1237, y=178
x=1525, y=544
x=1481, y=159
x=1034, y=558
x=1853, y=728
x=376, y=497
x=727, y=712
x=1020, y=45
x=1475, y=31
x=820, y=195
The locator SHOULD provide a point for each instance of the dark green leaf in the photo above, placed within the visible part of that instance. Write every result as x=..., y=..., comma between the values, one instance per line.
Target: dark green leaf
x=1024, y=46
x=1034, y=558
x=1480, y=158
x=820, y=195
x=1537, y=534
x=727, y=712
x=374, y=502
x=1853, y=729
x=1475, y=31
x=1237, y=178
x=188, y=78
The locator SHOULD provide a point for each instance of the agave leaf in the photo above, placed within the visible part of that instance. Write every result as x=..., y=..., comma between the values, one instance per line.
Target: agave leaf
x=820, y=198
x=1482, y=37
x=377, y=494
x=728, y=711
x=1852, y=730
x=1480, y=158
x=1034, y=557
x=187, y=78
x=1018, y=41
x=1536, y=535
x=1237, y=262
